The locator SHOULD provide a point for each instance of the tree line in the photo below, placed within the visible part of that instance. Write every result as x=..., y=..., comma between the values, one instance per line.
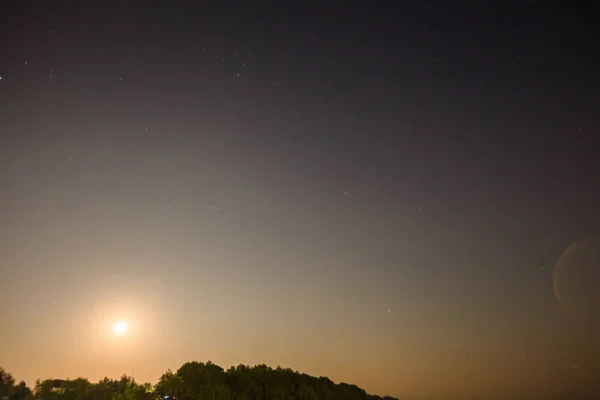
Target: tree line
x=192, y=381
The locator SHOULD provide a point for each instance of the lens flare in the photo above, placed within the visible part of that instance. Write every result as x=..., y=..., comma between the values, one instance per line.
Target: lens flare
x=577, y=278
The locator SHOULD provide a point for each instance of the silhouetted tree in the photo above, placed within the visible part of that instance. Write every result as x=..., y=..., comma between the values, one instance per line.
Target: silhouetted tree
x=194, y=381
x=170, y=385
x=21, y=392
x=102, y=390
x=44, y=389
x=7, y=383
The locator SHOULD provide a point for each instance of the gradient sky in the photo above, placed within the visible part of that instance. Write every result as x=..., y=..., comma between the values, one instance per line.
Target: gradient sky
x=375, y=194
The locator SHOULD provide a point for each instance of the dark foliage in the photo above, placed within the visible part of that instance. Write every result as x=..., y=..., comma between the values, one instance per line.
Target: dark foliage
x=193, y=381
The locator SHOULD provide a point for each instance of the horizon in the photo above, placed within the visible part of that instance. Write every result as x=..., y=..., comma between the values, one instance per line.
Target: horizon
x=397, y=396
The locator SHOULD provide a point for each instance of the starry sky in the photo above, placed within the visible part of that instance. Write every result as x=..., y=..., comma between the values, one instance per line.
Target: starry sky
x=381, y=194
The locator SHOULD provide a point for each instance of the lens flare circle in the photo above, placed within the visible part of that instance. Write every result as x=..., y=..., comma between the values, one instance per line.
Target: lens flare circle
x=576, y=279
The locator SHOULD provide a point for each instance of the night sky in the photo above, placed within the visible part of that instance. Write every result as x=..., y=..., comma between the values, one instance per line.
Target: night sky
x=371, y=192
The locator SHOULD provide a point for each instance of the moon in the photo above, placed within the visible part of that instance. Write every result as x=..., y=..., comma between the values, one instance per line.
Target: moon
x=120, y=328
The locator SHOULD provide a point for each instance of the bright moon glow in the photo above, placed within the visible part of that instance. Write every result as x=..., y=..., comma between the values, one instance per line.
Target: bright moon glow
x=120, y=328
